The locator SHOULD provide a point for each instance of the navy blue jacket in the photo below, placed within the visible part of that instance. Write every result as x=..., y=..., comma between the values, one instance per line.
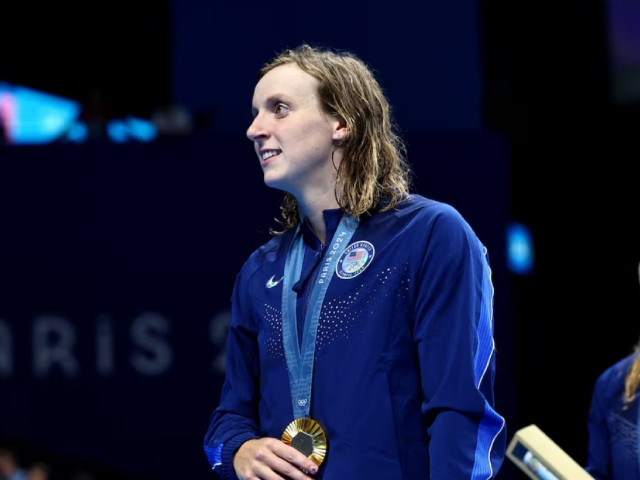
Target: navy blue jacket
x=613, y=430
x=404, y=357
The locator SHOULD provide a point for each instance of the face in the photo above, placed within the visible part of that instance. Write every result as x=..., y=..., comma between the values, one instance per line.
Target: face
x=293, y=137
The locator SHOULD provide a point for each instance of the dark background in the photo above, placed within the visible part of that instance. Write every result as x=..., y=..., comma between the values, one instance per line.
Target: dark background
x=508, y=114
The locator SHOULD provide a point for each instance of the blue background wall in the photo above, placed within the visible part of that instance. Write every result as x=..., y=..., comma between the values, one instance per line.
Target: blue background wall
x=426, y=54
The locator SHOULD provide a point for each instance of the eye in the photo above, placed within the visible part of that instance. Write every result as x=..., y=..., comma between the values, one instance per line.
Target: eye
x=280, y=109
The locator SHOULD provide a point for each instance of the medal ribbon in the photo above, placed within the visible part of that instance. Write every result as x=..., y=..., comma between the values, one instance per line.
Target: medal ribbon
x=300, y=357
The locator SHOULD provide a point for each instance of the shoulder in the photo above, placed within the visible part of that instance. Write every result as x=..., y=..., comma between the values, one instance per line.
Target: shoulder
x=434, y=218
x=608, y=389
x=614, y=375
x=429, y=209
x=428, y=227
x=267, y=254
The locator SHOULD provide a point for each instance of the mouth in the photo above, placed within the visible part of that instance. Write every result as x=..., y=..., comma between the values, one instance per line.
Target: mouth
x=267, y=154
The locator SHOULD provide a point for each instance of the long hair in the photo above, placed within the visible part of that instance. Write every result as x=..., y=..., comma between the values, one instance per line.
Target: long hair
x=632, y=379
x=374, y=172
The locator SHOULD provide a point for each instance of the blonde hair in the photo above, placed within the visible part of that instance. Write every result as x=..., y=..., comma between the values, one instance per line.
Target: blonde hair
x=632, y=378
x=374, y=172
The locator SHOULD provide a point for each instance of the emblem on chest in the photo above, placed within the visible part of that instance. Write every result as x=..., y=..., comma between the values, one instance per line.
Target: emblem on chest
x=355, y=259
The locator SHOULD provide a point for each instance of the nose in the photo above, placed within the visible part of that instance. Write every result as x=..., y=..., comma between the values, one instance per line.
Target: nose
x=255, y=130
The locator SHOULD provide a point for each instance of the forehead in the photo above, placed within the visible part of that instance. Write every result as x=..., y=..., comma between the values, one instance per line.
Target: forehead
x=287, y=80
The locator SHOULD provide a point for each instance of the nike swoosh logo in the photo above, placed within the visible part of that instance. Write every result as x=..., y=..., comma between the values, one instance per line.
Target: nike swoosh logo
x=272, y=283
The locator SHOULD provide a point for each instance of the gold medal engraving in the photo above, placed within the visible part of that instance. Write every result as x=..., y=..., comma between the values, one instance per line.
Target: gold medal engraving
x=308, y=437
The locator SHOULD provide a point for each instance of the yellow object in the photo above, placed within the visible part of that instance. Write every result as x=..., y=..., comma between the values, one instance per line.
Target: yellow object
x=541, y=458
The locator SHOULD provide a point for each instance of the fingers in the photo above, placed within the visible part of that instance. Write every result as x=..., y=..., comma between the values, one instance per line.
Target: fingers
x=296, y=459
x=270, y=459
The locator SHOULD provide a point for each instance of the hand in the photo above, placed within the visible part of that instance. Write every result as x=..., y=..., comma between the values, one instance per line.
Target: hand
x=270, y=459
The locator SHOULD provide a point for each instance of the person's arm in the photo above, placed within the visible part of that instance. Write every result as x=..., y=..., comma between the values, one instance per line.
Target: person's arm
x=234, y=421
x=598, y=445
x=232, y=442
x=454, y=340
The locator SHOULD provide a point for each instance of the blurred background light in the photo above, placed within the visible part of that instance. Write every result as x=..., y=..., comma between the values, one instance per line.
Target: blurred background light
x=30, y=116
x=520, y=249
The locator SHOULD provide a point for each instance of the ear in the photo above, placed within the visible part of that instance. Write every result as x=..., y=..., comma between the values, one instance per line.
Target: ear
x=339, y=129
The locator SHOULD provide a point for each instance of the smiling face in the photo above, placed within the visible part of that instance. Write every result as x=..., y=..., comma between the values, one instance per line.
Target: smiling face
x=293, y=137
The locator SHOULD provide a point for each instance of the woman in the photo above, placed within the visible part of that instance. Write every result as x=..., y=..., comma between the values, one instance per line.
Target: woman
x=613, y=423
x=361, y=337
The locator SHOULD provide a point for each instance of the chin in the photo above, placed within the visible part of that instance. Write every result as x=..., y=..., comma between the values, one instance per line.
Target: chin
x=273, y=182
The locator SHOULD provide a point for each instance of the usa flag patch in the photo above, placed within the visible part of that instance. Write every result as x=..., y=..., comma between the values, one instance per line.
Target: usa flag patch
x=355, y=259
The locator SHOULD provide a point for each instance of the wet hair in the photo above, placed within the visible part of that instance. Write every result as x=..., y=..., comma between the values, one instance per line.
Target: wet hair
x=374, y=172
x=632, y=378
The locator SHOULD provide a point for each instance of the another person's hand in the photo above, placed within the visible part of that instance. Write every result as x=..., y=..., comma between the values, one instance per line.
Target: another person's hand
x=270, y=459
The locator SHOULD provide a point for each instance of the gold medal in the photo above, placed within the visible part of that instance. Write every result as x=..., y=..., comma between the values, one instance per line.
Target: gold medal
x=308, y=437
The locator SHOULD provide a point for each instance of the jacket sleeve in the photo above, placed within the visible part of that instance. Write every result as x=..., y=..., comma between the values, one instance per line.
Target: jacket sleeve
x=599, y=462
x=607, y=401
x=234, y=421
x=455, y=344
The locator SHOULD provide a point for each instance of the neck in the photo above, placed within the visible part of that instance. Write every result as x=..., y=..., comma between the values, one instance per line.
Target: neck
x=315, y=200
x=316, y=220
x=313, y=213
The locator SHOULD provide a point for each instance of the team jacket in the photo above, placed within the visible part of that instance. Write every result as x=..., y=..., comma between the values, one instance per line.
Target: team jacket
x=613, y=430
x=404, y=357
